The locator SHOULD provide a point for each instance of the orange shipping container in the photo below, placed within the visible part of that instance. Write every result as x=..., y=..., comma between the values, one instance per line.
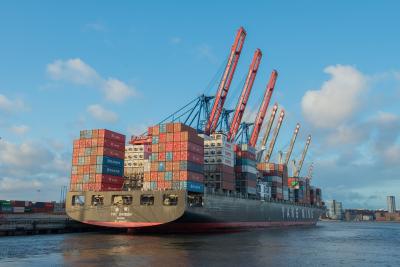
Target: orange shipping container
x=160, y=176
x=154, y=147
x=153, y=176
x=161, y=147
x=168, y=166
x=170, y=137
x=170, y=127
x=163, y=138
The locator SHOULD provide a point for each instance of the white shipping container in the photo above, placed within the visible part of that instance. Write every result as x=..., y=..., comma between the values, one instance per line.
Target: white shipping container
x=18, y=209
x=146, y=186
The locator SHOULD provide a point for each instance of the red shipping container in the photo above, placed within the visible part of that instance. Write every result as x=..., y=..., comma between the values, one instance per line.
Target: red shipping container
x=191, y=176
x=108, y=179
x=169, y=147
x=74, y=160
x=187, y=146
x=153, y=176
x=175, y=176
x=163, y=138
x=177, y=155
x=167, y=185
x=112, y=144
x=111, y=135
x=191, y=156
x=82, y=143
x=177, y=137
x=177, y=146
x=76, y=143
x=161, y=156
x=110, y=152
x=160, y=176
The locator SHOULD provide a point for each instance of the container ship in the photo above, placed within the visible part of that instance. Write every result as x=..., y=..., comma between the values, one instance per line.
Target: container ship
x=200, y=169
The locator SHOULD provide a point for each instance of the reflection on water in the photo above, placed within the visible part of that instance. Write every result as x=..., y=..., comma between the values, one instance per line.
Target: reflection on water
x=328, y=244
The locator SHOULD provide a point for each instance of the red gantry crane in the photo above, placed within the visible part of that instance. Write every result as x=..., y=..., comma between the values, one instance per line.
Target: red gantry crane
x=225, y=82
x=274, y=136
x=241, y=105
x=263, y=109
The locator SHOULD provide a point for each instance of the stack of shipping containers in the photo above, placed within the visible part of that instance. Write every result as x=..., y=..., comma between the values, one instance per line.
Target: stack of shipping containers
x=276, y=176
x=21, y=206
x=98, y=161
x=219, y=163
x=177, y=158
x=245, y=169
x=136, y=163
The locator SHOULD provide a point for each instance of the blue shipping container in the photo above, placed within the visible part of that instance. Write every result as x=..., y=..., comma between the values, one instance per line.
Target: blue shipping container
x=110, y=170
x=105, y=160
x=191, y=166
x=195, y=187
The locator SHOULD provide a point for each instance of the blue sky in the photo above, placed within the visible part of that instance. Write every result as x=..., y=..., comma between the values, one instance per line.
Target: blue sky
x=64, y=65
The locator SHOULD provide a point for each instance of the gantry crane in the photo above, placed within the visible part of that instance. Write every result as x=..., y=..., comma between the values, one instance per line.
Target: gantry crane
x=225, y=82
x=289, y=153
x=303, y=156
x=274, y=136
x=241, y=105
x=263, y=109
x=267, y=132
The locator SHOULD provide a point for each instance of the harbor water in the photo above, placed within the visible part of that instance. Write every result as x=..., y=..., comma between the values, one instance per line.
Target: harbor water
x=327, y=244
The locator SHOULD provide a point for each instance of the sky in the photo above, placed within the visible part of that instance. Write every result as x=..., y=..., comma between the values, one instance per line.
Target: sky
x=125, y=65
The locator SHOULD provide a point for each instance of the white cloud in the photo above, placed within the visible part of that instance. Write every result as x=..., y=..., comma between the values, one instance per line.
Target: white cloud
x=19, y=129
x=24, y=155
x=117, y=91
x=347, y=134
x=175, y=40
x=78, y=72
x=337, y=99
x=9, y=105
x=101, y=114
x=74, y=71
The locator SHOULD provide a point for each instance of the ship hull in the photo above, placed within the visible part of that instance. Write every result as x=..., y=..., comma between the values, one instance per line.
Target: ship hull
x=217, y=213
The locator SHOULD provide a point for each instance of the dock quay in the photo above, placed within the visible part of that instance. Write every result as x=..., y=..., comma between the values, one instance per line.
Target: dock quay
x=31, y=224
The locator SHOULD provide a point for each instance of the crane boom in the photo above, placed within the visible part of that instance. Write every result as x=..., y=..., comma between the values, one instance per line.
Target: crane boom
x=303, y=156
x=267, y=132
x=289, y=153
x=269, y=125
x=274, y=136
x=225, y=81
x=263, y=109
x=244, y=97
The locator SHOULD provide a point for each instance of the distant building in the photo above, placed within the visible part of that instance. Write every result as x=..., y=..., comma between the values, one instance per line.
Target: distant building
x=334, y=210
x=391, y=204
x=359, y=215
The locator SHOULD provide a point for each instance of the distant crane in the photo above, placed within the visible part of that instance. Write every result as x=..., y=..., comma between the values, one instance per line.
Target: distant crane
x=274, y=136
x=241, y=105
x=267, y=132
x=289, y=153
x=263, y=109
x=310, y=171
x=303, y=156
x=225, y=82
